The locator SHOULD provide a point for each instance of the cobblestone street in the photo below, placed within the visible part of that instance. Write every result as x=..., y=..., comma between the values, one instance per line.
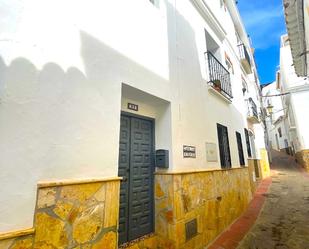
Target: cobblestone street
x=284, y=220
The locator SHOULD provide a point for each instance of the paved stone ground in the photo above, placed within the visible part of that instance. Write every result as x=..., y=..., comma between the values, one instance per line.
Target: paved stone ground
x=284, y=220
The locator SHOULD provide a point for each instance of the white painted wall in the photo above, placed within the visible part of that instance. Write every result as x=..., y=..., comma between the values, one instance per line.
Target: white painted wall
x=297, y=102
x=274, y=131
x=65, y=80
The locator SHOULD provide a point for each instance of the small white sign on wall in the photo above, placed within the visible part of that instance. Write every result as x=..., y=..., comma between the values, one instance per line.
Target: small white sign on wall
x=211, y=152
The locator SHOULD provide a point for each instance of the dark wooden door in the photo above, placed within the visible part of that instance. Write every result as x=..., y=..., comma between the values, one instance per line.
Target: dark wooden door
x=136, y=166
x=224, y=147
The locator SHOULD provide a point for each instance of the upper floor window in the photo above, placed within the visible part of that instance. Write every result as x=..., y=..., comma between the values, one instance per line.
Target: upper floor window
x=219, y=76
x=240, y=149
x=244, y=87
x=229, y=64
x=224, y=146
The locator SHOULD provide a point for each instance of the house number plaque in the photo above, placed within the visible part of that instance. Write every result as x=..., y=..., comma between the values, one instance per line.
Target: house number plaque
x=133, y=107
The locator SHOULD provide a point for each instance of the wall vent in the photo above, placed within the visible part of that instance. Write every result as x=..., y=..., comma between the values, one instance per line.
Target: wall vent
x=191, y=229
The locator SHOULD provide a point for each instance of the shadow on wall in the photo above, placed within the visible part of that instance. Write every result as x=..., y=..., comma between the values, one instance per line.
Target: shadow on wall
x=57, y=124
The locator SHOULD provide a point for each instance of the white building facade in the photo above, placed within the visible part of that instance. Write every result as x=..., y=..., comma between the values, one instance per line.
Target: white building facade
x=90, y=91
x=276, y=121
x=295, y=101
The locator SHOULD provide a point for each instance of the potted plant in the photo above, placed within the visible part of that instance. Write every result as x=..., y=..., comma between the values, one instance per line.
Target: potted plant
x=217, y=85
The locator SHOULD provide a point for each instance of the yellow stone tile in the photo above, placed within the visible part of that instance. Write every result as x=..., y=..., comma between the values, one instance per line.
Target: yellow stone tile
x=46, y=197
x=87, y=246
x=177, y=182
x=73, y=214
x=62, y=209
x=150, y=243
x=25, y=243
x=160, y=205
x=169, y=216
x=50, y=231
x=165, y=243
x=214, y=198
x=43, y=245
x=161, y=226
x=111, y=204
x=80, y=192
x=186, y=181
x=134, y=246
x=186, y=201
x=100, y=194
x=178, y=205
x=88, y=224
x=158, y=191
x=190, y=215
x=195, y=195
x=108, y=241
x=5, y=244
x=180, y=233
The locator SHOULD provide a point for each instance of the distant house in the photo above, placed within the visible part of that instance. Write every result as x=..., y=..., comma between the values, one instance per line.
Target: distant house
x=295, y=103
x=278, y=136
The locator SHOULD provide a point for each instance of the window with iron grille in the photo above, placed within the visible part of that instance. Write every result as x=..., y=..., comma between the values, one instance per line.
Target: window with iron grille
x=240, y=149
x=248, y=143
x=224, y=147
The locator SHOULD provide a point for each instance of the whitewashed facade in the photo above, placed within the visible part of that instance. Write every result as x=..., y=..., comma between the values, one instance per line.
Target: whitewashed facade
x=296, y=101
x=276, y=122
x=69, y=68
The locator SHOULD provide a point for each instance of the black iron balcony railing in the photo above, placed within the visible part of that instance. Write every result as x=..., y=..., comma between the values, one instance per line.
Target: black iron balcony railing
x=243, y=53
x=219, y=77
x=252, y=109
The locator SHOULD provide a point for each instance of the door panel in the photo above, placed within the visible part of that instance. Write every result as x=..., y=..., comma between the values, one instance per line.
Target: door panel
x=140, y=219
x=123, y=171
x=136, y=218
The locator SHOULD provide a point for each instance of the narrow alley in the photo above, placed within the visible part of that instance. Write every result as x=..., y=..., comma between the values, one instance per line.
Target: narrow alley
x=284, y=220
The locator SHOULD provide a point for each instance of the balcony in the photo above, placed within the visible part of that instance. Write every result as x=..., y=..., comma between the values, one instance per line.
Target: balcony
x=244, y=58
x=253, y=115
x=219, y=77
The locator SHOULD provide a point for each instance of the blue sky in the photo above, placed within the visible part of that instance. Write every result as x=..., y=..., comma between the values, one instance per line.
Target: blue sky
x=264, y=21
